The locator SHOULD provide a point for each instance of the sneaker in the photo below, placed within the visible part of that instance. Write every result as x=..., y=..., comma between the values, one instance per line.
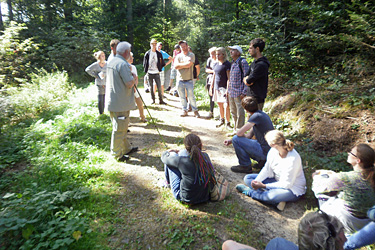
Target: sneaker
x=184, y=113
x=147, y=91
x=196, y=114
x=123, y=158
x=132, y=150
x=281, y=205
x=221, y=123
x=162, y=102
x=168, y=89
x=228, y=126
x=153, y=102
x=260, y=164
x=242, y=169
x=242, y=188
x=217, y=117
x=143, y=119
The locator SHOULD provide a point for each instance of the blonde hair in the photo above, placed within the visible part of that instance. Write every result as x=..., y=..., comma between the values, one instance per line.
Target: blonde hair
x=277, y=137
x=222, y=50
x=97, y=55
x=317, y=230
x=212, y=49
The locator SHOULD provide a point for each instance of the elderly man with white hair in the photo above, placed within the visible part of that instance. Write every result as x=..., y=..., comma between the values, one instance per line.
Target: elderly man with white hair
x=120, y=92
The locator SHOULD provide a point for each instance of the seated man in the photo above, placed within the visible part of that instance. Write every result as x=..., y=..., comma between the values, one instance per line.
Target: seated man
x=246, y=148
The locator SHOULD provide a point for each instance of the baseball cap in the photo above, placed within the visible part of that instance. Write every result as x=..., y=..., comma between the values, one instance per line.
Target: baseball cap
x=236, y=47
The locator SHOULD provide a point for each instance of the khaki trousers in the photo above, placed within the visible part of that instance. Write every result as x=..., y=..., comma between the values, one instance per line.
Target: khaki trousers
x=119, y=141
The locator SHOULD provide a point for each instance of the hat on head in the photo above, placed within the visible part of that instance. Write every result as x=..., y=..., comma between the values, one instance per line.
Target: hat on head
x=182, y=41
x=159, y=43
x=153, y=40
x=236, y=47
x=177, y=46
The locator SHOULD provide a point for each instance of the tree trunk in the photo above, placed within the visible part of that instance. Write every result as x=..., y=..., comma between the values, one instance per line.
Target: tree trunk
x=129, y=20
x=68, y=12
x=1, y=19
x=10, y=10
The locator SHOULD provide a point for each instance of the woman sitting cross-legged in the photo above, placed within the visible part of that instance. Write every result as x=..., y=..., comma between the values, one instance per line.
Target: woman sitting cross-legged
x=189, y=172
x=281, y=179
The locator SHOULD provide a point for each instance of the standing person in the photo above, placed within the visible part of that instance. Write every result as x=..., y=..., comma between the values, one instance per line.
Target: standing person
x=356, y=189
x=162, y=73
x=189, y=173
x=211, y=62
x=153, y=63
x=138, y=100
x=246, y=148
x=237, y=89
x=219, y=87
x=98, y=70
x=113, y=45
x=120, y=92
x=257, y=76
x=196, y=69
x=184, y=64
x=281, y=179
x=176, y=51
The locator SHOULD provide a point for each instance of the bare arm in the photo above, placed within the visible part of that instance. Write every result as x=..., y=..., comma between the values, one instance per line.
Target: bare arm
x=184, y=65
x=170, y=60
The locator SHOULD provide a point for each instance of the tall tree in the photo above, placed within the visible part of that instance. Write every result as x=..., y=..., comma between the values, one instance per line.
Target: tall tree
x=129, y=19
x=10, y=10
x=1, y=19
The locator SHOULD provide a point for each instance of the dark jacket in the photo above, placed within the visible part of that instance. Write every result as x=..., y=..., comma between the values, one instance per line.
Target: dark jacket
x=191, y=191
x=258, y=75
x=160, y=63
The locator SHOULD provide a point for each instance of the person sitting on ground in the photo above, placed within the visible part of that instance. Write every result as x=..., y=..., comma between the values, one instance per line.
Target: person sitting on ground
x=316, y=231
x=138, y=99
x=247, y=148
x=189, y=172
x=356, y=189
x=282, y=179
x=219, y=87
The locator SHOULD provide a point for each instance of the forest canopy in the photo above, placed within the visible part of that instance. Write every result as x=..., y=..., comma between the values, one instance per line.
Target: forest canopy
x=301, y=36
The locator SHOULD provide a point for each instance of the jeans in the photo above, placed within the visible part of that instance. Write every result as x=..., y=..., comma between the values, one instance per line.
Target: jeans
x=237, y=111
x=281, y=244
x=361, y=238
x=173, y=177
x=101, y=103
x=189, y=87
x=151, y=78
x=247, y=149
x=271, y=196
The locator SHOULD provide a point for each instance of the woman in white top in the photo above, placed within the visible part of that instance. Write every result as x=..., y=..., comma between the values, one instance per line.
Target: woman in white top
x=281, y=179
x=98, y=70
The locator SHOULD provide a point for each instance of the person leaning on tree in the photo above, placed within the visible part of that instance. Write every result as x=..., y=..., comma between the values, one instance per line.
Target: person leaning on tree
x=257, y=76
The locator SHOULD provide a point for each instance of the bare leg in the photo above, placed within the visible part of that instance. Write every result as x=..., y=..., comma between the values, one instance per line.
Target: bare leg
x=139, y=103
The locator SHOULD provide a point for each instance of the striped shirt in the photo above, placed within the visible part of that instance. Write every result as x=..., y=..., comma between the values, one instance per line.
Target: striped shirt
x=236, y=85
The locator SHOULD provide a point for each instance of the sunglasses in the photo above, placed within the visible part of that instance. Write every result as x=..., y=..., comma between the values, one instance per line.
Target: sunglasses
x=352, y=154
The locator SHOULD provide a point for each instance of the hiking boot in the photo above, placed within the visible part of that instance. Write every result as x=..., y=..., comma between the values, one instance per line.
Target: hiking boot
x=162, y=102
x=184, y=113
x=123, y=158
x=196, y=114
x=132, y=150
x=153, y=102
x=281, y=205
x=228, y=126
x=242, y=169
x=242, y=188
x=147, y=91
x=222, y=121
x=190, y=109
x=168, y=89
x=260, y=164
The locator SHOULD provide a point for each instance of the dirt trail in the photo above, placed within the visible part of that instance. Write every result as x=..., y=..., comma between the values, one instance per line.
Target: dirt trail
x=270, y=222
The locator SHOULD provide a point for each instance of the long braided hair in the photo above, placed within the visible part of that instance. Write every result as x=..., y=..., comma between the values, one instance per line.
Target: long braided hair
x=205, y=170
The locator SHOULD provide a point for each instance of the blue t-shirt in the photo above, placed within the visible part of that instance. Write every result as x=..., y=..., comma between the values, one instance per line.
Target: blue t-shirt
x=263, y=124
x=165, y=56
x=281, y=244
x=221, y=77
